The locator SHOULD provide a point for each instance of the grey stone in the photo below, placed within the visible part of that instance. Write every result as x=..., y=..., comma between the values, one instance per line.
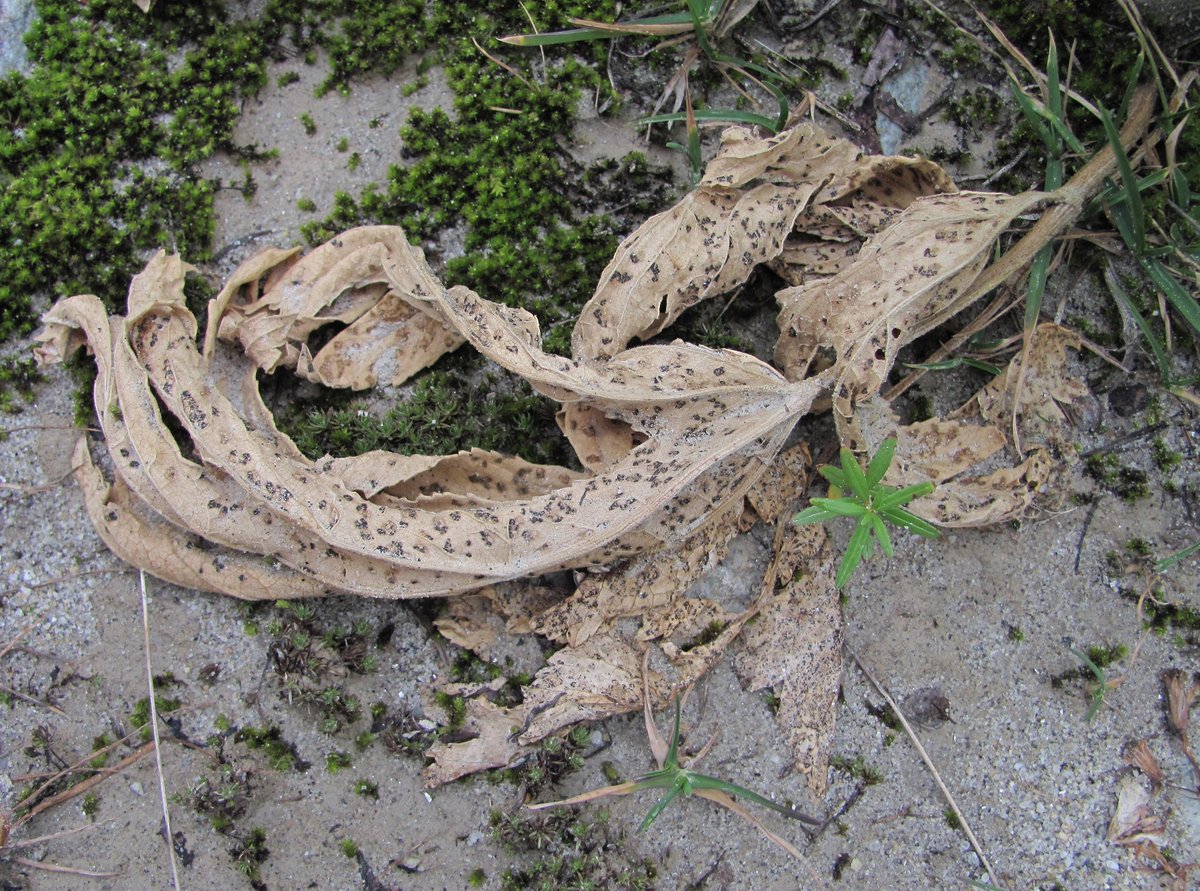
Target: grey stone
x=15, y=18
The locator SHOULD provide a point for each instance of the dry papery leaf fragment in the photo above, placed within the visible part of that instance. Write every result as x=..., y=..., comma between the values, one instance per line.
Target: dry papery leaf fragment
x=673, y=437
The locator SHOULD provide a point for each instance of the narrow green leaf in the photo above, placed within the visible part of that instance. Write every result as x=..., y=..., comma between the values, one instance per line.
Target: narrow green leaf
x=843, y=507
x=1129, y=182
x=701, y=781
x=658, y=809
x=854, y=475
x=1037, y=286
x=1183, y=302
x=813, y=514
x=713, y=114
x=835, y=477
x=1167, y=562
x=1131, y=82
x=881, y=534
x=1118, y=292
x=881, y=461
x=898, y=516
x=956, y=362
x=855, y=550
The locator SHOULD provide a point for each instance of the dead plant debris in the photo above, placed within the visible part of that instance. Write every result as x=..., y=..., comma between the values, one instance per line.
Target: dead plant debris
x=675, y=438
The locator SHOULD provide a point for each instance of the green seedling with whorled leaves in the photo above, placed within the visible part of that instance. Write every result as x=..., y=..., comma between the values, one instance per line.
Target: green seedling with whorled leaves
x=677, y=780
x=866, y=498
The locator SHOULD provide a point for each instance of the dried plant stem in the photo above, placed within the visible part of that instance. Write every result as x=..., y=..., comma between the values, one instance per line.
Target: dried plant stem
x=82, y=786
x=962, y=820
x=162, y=783
x=1068, y=202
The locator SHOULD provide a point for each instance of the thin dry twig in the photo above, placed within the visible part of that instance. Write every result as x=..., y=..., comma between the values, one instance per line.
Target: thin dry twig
x=162, y=783
x=962, y=820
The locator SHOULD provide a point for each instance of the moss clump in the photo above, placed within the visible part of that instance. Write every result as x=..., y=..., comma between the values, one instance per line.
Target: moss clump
x=99, y=155
x=18, y=377
x=1104, y=656
x=565, y=850
x=1130, y=483
x=443, y=414
x=281, y=755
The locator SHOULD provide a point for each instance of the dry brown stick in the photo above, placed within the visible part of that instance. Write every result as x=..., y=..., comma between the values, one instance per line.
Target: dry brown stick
x=1068, y=202
x=962, y=820
x=162, y=782
x=68, y=870
x=84, y=785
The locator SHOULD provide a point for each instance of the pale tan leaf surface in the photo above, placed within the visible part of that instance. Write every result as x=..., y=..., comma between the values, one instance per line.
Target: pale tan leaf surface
x=713, y=418
x=783, y=482
x=364, y=278
x=648, y=581
x=599, y=678
x=245, y=285
x=387, y=344
x=948, y=452
x=147, y=460
x=795, y=647
x=1133, y=822
x=471, y=622
x=904, y=282
x=674, y=437
x=492, y=744
x=1039, y=389
x=683, y=619
x=146, y=540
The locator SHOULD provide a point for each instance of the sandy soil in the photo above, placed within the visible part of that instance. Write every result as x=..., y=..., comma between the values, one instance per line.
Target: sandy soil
x=980, y=624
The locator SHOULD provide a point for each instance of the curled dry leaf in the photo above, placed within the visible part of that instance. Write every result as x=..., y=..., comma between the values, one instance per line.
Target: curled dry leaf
x=711, y=420
x=673, y=437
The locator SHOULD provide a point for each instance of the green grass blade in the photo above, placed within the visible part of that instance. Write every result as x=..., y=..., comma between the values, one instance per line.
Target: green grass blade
x=732, y=115
x=1135, y=74
x=700, y=781
x=658, y=809
x=1129, y=183
x=881, y=461
x=1037, y=286
x=956, y=362
x=1118, y=292
x=559, y=38
x=1054, y=103
x=854, y=475
x=898, y=516
x=1167, y=562
x=1183, y=302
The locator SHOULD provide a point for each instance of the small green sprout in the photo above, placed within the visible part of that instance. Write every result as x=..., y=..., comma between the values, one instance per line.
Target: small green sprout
x=868, y=500
x=1103, y=684
x=677, y=780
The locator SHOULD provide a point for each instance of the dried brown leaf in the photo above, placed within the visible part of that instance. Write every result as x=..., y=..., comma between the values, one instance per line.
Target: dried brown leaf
x=905, y=281
x=491, y=745
x=705, y=415
x=1133, y=823
x=1140, y=756
x=595, y=680
x=648, y=581
x=795, y=647
x=1038, y=387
